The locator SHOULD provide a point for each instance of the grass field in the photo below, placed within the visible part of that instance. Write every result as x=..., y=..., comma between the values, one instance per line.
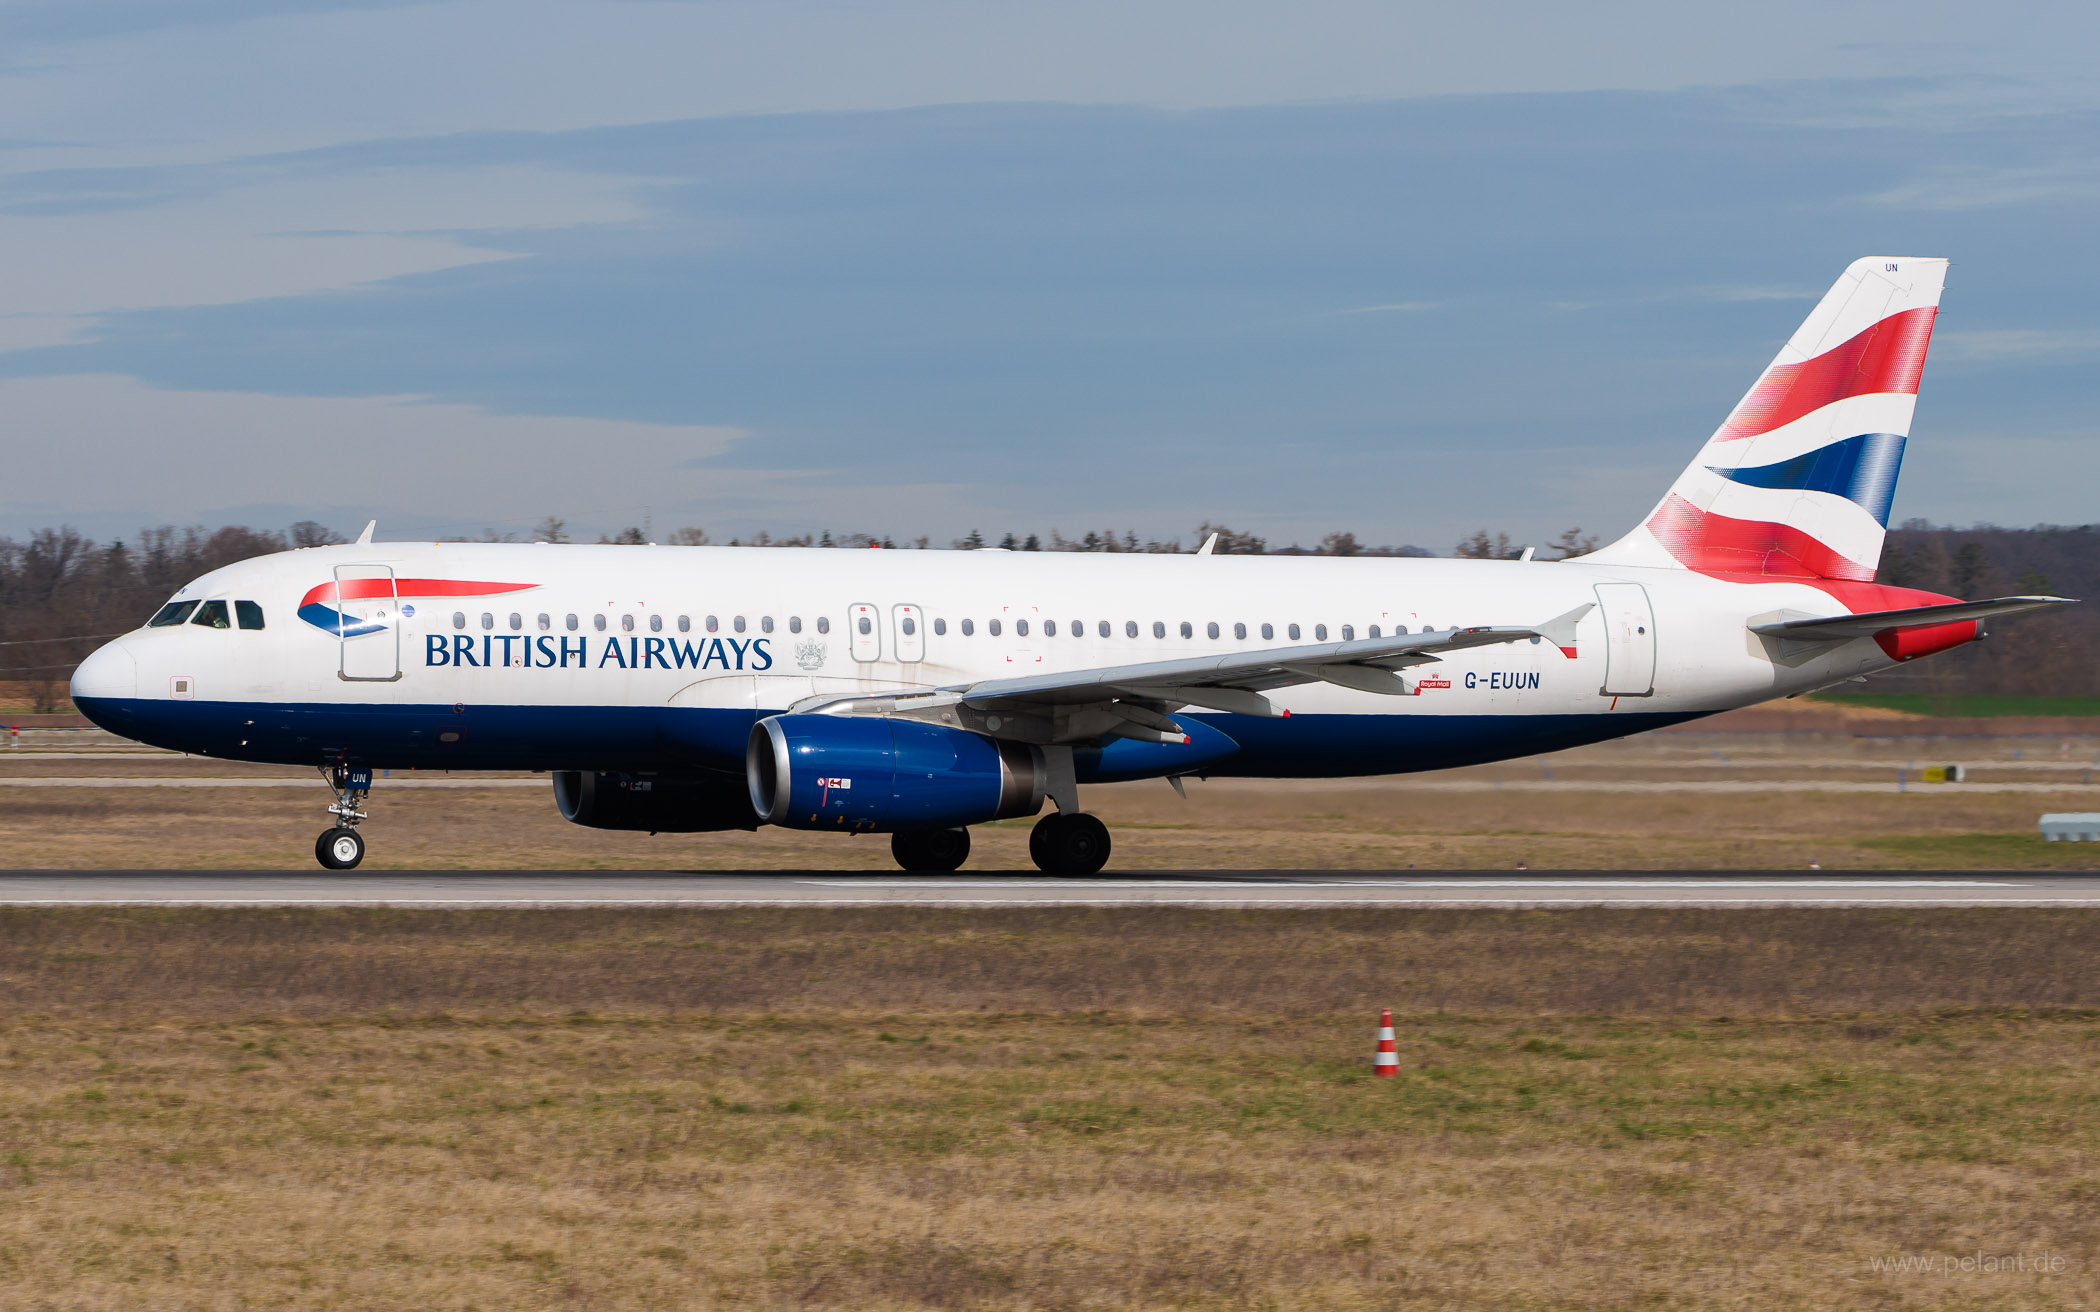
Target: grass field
x=1366, y=824
x=1055, y=1109
x=1962, y=704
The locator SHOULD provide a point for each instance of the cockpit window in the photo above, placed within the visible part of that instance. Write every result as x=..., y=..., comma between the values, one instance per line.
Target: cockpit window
x=175, y=612
x=212, y=615
x=248, y=613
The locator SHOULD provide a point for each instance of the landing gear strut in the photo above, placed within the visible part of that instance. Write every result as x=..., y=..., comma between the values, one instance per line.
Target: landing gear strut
x=342, y=847
x=931, y=849
x=1069, y=844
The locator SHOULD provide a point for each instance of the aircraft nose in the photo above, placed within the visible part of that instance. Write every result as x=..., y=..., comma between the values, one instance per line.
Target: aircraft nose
x=111, y=671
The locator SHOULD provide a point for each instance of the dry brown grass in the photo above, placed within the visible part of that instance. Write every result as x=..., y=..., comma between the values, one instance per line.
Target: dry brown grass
x=1045, y=1108
x=1375, y=824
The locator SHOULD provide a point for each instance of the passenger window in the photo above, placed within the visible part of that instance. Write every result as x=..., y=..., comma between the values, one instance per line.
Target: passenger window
x=1399, y=630
x=969, y=627
x=1348, y=633
x=737, y=623
x=598, y=622
x=1101, y=628
x=1211, y=629
x=545, y=621
x=1049, y=628
x=993, y=627
x=569, y=623
x=175, y=612
x=656, y=624
x=866, y=625
x=1374, y=631
x=823, y=624
x=1239, y=631
x=713, y=624
x=908, y=624
x=685, y=624
x=1159, y=629
x=459, y=619
x=627, y=624
x=940, y=627
x=1268, y=632
x=765, y=624
x=248, y=614
x=1319, y=633
x=488, y=621
x=1079, y=628
x=1020, y=628
x=1187, y=630
x=212, y=615
x=1130, y=628
x=517, y=621
x=794, y=624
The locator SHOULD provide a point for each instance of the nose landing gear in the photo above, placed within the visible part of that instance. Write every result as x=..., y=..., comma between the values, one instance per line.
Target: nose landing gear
x=342, y=847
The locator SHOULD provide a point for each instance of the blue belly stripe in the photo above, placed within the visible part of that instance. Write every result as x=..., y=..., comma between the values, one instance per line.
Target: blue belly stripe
x=668, y=738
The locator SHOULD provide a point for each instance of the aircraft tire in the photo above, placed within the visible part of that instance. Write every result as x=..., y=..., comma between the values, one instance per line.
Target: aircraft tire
x=1042, y=843
x=939, y=850
x=1074, y=845
x=339, y=849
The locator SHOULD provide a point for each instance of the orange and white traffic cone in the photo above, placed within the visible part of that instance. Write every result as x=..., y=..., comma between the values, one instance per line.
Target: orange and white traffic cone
x=1386, y=1063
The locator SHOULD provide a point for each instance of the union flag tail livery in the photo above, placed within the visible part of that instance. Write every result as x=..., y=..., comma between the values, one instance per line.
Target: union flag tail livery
x=1796, y=483
x=682, y=690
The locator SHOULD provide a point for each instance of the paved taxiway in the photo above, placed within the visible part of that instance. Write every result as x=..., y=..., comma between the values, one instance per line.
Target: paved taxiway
x=487, y=888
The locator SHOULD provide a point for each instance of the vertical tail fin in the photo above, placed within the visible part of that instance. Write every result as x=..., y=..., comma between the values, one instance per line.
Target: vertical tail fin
x=1797, y=481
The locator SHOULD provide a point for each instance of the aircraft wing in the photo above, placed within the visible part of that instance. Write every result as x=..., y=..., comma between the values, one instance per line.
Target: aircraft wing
x=1141, y=694
x=1838, y=628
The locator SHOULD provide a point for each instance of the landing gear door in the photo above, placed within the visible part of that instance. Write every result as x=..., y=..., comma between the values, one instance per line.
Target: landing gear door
x=369, y=630
x=911, y=633
x=1629, y=640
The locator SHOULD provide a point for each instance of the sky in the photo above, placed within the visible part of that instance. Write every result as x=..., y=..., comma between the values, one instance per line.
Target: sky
x=917, y=268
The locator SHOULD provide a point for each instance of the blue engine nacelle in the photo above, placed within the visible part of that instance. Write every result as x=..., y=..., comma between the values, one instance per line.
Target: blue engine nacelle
x=854, y=773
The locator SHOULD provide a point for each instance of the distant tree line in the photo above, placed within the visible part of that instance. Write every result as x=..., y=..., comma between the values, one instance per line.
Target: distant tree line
x=62, y=593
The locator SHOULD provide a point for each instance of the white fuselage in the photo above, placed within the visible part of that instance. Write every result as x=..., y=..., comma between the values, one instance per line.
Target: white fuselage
x=615, y=636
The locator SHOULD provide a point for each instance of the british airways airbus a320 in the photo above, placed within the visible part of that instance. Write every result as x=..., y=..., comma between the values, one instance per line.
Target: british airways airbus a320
x=689, y=689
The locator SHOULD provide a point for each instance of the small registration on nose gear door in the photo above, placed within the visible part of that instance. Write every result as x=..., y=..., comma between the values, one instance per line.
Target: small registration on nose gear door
x=369, y=633
x=1629, y=640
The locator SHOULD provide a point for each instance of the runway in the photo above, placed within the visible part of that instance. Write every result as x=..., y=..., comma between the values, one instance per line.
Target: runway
x=583, y=888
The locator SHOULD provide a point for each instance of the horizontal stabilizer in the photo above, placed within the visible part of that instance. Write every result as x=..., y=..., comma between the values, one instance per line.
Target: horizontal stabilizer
x=1838, y=628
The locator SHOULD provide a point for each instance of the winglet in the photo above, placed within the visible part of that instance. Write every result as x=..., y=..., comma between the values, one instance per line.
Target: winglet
x=1208, y=543
x=364, y=539
x=1560, y=630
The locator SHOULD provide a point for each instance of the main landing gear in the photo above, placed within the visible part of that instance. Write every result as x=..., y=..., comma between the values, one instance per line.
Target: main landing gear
x=1069, y=844
x=939, y=850
x=342, y=847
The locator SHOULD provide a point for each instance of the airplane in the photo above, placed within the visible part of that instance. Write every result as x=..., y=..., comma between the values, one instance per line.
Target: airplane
x=917, y=693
